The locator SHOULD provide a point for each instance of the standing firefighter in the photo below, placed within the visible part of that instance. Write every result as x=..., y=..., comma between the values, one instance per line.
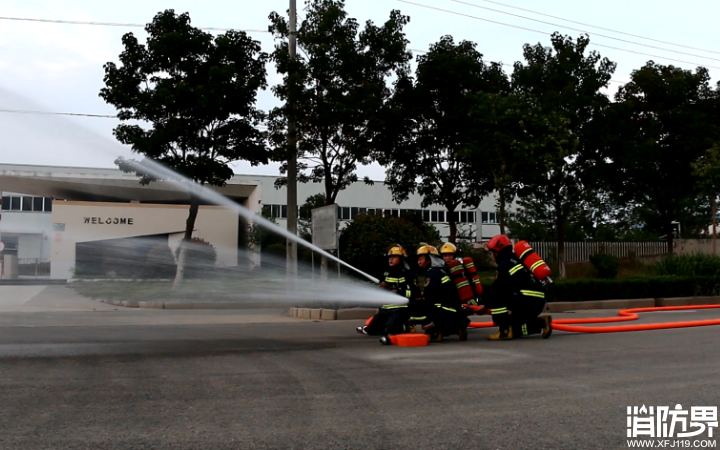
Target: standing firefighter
x=400, y=280
x=441, y=297
x=516, y=297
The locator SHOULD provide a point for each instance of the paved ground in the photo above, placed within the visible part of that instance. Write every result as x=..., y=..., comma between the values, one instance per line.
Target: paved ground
x=128, y=378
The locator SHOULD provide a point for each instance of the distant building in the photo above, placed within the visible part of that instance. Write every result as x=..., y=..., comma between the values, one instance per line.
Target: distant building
x=54, y=217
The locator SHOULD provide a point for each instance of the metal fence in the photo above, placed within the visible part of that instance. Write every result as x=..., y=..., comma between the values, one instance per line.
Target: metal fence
x=33, y=268
x=581, y=251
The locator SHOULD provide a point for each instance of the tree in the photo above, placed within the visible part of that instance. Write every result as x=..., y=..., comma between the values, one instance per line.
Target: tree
x=566, y=84
x=426, y=124
x=338, y=84
x=194, y=96
x=707, y=170
x=503, y=141
x=663, y=122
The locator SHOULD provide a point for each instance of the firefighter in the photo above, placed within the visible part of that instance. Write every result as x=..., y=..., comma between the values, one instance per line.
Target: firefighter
x=516, y=297
x=465, y=277
x=400, y=280
x=440, y=296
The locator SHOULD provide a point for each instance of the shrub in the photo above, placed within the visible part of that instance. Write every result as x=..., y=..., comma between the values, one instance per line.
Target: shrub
x=647, y=287
x=365, y=241
x=159, y=263
x=697, y=264
x=200, y=258
x=607, y=266
x=481, y=257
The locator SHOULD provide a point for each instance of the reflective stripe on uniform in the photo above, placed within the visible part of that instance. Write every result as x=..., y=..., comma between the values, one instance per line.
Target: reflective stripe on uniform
x=408, y=294
x=515, y=269
x=418, y=318
x=499, y=311
x=533, y=294
x=524, y=329
x=394, y=306
x=439, y=305
x=445, y=279
x=394, y=280
x=537, y=264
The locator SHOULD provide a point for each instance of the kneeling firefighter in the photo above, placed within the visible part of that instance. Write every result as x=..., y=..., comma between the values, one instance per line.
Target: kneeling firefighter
x=516, y=297
x=400, y=280
x=441, y=297
x=464, y=275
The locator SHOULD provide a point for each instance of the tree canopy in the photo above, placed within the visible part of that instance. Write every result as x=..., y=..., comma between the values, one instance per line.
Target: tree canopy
x=426, y=124
x=186, y=100
x=337, y=85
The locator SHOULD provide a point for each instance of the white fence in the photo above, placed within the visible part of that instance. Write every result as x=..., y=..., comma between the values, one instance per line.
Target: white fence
x=581, y=251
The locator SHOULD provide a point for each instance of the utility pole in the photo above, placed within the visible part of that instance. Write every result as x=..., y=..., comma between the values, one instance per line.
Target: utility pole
x=292, y=208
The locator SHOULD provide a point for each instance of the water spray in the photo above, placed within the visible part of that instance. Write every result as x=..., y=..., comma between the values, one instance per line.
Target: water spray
x=161, y=172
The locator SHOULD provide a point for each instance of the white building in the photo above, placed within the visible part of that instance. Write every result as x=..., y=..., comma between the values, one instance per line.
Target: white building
x=50, y=214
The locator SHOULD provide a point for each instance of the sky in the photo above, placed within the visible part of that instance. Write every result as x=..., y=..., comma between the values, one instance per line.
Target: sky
x=55, y=67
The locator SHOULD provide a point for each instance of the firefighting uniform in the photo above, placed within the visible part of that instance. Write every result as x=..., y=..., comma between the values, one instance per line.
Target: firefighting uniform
x=515, y=290
x=394, y=319
x=440, y=296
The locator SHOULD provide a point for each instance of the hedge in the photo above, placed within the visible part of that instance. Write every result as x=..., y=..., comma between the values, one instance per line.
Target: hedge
x=647, y=287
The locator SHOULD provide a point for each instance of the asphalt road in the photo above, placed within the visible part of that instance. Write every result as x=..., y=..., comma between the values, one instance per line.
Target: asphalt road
x=131, y=379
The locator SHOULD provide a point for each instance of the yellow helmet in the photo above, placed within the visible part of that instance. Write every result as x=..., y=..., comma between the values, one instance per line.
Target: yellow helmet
x=397, y=250
x=427, y=250
x=448, y=248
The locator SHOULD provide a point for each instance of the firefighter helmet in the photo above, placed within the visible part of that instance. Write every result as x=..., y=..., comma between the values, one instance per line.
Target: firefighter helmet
x=427, y=250
x=396, y=250
x=498, y=243
x=448, y=248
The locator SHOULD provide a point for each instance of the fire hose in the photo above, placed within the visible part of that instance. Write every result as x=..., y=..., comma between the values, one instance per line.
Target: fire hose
x=624, y=315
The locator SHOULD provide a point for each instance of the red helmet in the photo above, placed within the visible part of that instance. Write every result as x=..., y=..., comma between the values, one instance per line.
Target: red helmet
x=498, y=243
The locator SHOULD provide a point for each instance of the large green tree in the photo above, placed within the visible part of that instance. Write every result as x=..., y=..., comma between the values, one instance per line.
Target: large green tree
x=664, y=120
x=426, y=126
x=186, y=100
x=566, y=83
x=334, y=90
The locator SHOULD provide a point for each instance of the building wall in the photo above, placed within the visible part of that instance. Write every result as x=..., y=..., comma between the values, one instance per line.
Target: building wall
x=74, y=222
x=377, y=196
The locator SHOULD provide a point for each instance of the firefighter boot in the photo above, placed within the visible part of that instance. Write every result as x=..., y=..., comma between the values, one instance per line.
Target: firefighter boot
x=546, y=326
x=505, y=334
x=385, y=340
x=462, y=333
x=361, y=330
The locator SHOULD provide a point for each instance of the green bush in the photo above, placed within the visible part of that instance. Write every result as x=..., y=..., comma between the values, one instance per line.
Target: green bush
x=159, y=263
x=697, y=264
x=607, y=266
x=200, y=258
x=481, y=257
x=365, y=241
x=648, y=287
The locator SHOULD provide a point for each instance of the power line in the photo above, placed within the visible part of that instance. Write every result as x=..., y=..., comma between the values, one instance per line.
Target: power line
x=600, y=28
x=545, y=34
x=115, y=24
x=582, y=31
x=20, y=111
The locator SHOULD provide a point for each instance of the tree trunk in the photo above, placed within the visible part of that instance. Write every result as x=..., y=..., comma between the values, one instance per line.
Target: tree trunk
x=453, y=225
x=670, y=239
x=502, y=211
x=561, y=244
x=189, y=227
x=713, y=201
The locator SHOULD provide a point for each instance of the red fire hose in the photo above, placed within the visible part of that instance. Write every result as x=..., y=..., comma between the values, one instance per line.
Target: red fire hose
x=624, y=316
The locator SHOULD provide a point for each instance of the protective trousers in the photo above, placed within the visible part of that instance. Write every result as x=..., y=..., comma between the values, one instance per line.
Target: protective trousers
x=525, y=310
x=390, y=319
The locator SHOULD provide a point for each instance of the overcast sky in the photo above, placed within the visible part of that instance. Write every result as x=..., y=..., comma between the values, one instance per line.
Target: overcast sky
x=58, y=67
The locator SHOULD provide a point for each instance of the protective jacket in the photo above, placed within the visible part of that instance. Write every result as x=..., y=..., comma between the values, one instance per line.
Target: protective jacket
x=515, y=290
x=401, y=281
